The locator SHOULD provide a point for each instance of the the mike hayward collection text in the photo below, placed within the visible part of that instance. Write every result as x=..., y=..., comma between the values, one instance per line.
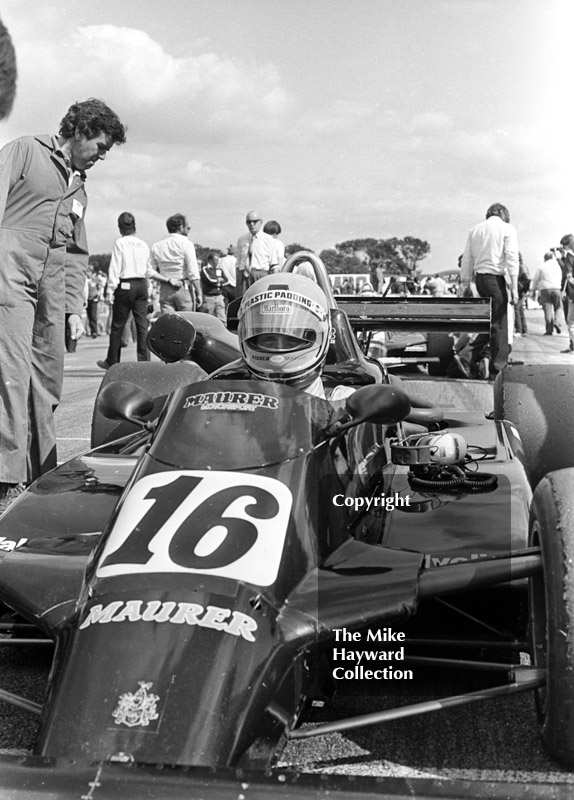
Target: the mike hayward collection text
x=353, y=661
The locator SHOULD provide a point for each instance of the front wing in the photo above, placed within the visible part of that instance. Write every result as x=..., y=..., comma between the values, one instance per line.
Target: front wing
x=24, y=778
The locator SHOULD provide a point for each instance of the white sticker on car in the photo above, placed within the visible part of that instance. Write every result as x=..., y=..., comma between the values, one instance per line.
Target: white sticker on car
x=231, y=401
x=8, y=545
x=178, y=613
x=193, y=521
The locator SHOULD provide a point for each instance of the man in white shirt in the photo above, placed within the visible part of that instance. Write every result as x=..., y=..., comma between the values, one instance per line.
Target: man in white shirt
x=436, y=286
x=228, y=264
x=127, y=289
x=173, y=264
x=490, y=258
x=547, y=282
x=273, y=228
x=257, y=253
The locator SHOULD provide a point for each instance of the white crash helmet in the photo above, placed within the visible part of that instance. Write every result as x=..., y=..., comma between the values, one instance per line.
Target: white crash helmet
x=284, y=329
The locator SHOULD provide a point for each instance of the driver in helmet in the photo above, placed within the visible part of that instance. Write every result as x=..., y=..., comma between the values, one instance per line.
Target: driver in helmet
x=285, y=331
x=284, y=335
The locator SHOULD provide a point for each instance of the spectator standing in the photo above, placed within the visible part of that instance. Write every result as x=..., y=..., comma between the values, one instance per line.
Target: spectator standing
x=274, y=229
x=213, y=281
x=153, y=308
x=127, y=290
x=567, y=243
x=565, y=255
x=380, y=278
x=398, y=286
x=436, y=286
x=257, y=253
x=228, y=264
x=523, y=283
x=94, y=295
x=173, y=264
x=414, y=283
x=547, y=282
x=44, y=256
x=490, y=256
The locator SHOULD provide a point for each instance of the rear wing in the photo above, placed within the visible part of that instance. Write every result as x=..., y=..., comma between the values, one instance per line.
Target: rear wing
x=447, y=314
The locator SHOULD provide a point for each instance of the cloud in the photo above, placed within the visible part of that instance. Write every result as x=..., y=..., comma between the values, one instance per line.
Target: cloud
x=161, y=97
x=201, y=172
x=432, y=121
x=341, y=116
x=469, y=7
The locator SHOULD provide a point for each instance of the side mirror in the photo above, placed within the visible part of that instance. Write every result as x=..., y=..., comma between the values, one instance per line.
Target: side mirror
x=379, y=403
x=171, y=338
x=121, y=400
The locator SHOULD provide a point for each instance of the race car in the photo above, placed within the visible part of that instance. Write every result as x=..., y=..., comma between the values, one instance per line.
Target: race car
x=196, y=567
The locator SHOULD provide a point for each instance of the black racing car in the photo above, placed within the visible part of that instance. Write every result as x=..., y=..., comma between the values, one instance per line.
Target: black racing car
x=196, y=568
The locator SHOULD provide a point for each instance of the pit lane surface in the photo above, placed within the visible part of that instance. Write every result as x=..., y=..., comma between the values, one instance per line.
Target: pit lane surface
x=494, y=740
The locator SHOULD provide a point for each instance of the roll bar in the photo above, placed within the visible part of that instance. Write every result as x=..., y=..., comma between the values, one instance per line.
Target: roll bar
x=319, y=269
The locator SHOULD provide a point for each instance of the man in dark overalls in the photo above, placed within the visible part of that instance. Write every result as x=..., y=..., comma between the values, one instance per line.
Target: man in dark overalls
x=43, y=259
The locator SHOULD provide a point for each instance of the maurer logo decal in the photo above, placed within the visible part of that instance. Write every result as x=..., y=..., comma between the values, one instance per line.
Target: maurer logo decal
x=231, y=401
x=219, y=619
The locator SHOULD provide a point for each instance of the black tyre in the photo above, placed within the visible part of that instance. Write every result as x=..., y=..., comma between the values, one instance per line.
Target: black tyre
x=439, y=345
x=539, y=400
x=552, y=611
x=160, y=380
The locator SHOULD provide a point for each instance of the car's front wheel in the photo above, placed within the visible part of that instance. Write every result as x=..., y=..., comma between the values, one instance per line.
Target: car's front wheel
x=552, y=611
x=539, y=401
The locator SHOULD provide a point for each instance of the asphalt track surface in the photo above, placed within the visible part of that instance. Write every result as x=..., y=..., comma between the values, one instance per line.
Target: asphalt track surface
x=493, y=740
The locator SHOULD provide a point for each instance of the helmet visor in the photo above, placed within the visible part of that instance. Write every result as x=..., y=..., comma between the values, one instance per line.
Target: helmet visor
x=282, y=342
x=281, y=317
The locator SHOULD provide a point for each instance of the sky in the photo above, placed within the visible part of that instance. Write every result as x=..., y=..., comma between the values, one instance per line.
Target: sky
x=341, y=120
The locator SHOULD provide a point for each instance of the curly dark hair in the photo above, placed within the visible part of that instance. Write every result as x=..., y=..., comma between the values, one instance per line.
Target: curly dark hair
x=91, y=118
x=7, y=72
x=498, y=210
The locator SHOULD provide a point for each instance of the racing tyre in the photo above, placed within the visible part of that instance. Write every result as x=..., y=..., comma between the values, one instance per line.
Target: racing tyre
x=552, y=611
x=439, y=344
x=160, y=380
x=539, y=400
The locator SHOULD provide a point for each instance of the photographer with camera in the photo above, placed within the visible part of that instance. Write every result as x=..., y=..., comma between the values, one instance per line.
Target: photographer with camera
x=567, y=243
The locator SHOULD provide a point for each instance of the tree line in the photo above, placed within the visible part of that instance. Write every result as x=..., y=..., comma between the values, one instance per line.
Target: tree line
x=395, y=256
